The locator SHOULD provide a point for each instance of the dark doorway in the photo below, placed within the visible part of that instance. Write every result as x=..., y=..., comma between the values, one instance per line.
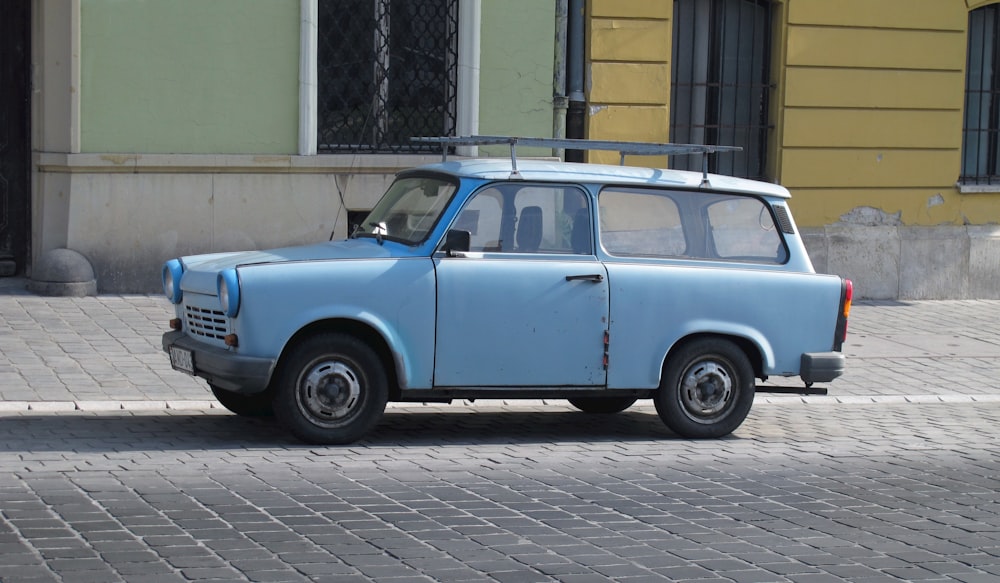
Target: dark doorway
x=15, y=141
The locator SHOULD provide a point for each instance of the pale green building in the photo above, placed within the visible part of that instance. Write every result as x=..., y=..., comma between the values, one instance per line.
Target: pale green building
x=161, y=128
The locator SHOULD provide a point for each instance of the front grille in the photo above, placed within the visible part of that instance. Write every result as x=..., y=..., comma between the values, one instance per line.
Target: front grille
x=206, y=323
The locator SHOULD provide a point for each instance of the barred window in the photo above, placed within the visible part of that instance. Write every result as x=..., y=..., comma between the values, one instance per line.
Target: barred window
x=387, y=71
x=980, y=159
x=720, y=82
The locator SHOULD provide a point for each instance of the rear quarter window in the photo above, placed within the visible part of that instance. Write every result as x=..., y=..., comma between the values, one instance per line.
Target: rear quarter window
x=642, y=222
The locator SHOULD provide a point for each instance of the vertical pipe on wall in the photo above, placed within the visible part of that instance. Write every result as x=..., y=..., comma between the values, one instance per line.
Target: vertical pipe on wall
x=469, y=34
x=308, y=87
x=576, y=116
x=559, y=101
x=74, y=77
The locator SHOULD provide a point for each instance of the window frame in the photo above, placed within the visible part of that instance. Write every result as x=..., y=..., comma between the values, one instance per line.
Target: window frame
x=466, y=96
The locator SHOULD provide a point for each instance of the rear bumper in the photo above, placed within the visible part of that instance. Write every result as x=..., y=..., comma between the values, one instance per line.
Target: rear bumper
x=223, y=368
x=821, y=367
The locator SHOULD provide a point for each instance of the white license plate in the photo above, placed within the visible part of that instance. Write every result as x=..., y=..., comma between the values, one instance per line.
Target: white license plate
x=182, y=360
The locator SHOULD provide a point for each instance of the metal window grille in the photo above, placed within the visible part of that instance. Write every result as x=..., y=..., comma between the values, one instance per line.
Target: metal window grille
x=720, y=83
x=387, y=71
x=980, y=163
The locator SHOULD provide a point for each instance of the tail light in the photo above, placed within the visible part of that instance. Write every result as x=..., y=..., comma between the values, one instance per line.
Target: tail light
x=846, y=297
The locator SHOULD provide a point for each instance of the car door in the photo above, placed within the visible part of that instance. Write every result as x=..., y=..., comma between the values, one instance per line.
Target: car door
x=527, y=306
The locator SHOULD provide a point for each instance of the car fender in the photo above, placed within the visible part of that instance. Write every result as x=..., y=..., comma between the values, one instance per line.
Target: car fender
x=273, y=315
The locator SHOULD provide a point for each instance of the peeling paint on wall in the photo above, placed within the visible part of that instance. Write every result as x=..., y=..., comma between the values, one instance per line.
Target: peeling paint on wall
x=936, y=200
x=872, y=217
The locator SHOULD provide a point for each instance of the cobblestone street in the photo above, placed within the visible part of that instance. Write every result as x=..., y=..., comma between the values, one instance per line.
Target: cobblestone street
x=115, y=468
x=801, y=493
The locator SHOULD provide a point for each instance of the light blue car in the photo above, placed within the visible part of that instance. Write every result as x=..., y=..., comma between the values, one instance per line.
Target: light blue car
x=497, y=278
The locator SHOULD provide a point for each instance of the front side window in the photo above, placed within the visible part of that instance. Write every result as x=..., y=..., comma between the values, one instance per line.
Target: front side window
x=980, y=155
x=720, y=83
x=409, y=210
x=527, y=218
x=639, y=222
x=387, y=71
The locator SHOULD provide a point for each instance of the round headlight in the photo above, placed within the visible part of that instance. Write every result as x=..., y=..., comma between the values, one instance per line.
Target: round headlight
x=172, y=272
x=229, y=292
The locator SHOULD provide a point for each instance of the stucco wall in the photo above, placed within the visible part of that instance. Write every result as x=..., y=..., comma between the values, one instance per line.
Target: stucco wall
x=628, y=81
x=872, y=103
x=189, y=76
x=128, y=214
x=516, y=70
x=867, y=113
x=184, y=113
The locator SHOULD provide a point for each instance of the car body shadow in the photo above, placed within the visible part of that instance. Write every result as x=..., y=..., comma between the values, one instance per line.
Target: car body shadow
x=199, y=431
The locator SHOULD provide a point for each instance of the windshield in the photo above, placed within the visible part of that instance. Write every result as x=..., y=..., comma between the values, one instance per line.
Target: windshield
x=409, y=210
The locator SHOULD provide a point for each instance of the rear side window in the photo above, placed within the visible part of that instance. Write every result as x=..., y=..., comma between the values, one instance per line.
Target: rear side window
x=641, y=223
x=697, y=225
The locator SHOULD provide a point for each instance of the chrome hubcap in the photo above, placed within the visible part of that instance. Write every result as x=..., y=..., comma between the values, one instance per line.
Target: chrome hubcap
x=329, y=391
x=706, y=390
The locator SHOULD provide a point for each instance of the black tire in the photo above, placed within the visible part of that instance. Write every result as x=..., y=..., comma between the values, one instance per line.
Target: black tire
x=330, y=390
x=707, y=389
x=602, y=405
x=255, y=405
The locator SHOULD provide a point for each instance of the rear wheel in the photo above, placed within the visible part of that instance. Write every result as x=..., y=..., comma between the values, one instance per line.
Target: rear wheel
x=707, y=389
x=255, y=405
x=331, y=390
x=602, y=405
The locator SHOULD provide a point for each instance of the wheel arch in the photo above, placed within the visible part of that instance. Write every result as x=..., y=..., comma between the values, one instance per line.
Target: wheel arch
x=363, y=331
x=750, y=348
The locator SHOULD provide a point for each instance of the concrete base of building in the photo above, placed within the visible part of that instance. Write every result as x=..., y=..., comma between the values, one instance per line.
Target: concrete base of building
x=910, y=263
x=129, y=213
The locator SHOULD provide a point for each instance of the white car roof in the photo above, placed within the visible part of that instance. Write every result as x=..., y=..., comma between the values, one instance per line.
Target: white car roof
x=555, y=171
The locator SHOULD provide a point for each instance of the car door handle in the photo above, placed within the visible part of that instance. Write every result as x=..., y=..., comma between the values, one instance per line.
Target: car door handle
x=594, y=277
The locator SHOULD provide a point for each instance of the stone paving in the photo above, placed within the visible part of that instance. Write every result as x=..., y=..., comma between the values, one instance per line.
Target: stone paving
x=115, y=468
x=105, y=350
x=802, y=492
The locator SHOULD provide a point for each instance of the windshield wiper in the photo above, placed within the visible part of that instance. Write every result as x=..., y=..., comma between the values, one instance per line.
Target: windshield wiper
x=379, y=230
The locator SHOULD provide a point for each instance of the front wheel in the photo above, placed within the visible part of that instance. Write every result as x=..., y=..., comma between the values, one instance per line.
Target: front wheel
x=331, y=390
x=707, y=389
x=602, y=405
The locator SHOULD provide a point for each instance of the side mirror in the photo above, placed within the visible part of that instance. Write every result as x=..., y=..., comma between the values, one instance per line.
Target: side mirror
x=457, y=241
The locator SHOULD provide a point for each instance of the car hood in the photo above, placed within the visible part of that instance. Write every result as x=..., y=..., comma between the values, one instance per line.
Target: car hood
x=201, y=271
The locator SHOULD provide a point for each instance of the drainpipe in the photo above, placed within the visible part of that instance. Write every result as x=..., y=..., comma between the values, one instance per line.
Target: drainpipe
x=559, y=100
x=469, y=49
x=576, y=116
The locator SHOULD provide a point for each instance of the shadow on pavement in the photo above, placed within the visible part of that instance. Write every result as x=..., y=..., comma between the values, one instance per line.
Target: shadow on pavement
x=179, y=431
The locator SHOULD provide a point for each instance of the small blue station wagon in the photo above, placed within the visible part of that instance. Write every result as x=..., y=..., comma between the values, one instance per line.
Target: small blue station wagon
x=508, y=278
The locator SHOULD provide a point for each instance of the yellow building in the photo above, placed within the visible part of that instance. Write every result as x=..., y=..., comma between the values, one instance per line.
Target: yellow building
x=861, y=108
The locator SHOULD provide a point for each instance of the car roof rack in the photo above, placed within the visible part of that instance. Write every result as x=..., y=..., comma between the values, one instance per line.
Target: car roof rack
x=623, y=148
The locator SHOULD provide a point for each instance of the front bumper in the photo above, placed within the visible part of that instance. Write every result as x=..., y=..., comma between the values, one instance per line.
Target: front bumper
x=223, y=368
x=821, y=367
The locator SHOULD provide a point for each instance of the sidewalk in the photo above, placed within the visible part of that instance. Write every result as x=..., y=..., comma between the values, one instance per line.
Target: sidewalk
x=103, y=353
